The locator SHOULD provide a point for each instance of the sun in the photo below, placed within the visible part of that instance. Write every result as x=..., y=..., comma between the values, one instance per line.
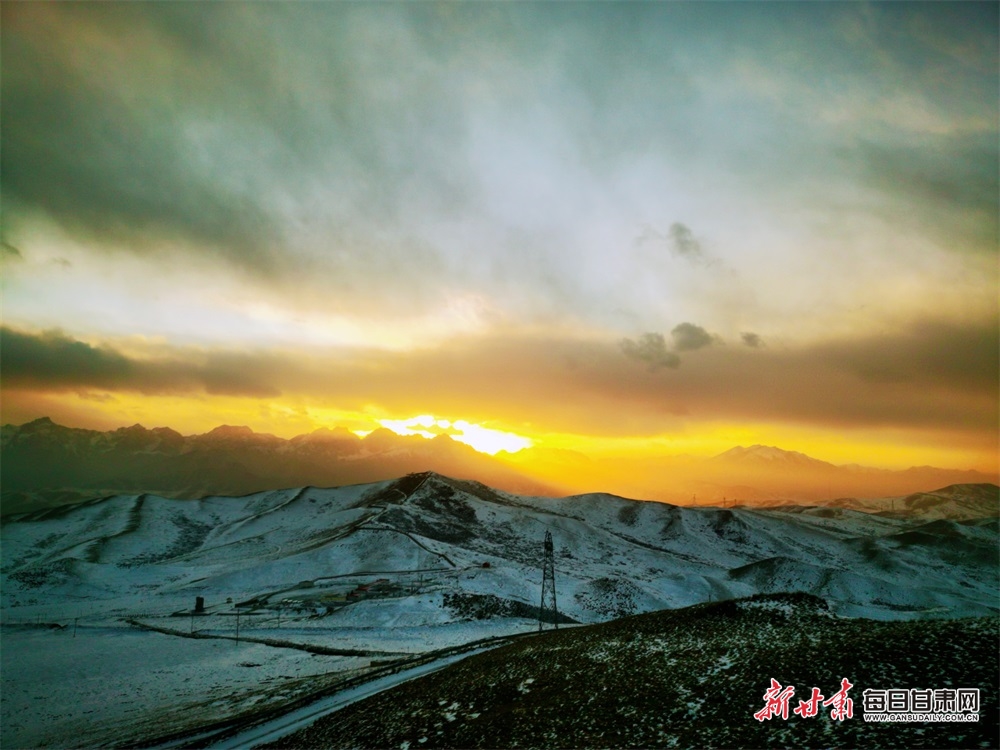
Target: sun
x=483, y=439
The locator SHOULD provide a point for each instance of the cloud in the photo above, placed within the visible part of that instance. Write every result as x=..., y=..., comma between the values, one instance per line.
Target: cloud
x=951, y=179
x=932, y=354
x=54, y=361
x=650, y=348
x=688, y=337
x=382, y=159
x=160, y=128
x=752, y=340
x=679, y=241
x=683, y=242
x=95, y=135
x=936, y=376
x=9, y=252
x=100, y=398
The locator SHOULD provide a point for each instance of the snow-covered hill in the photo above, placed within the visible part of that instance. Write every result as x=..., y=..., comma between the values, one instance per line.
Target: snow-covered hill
x=426, y=536
x=309, y=588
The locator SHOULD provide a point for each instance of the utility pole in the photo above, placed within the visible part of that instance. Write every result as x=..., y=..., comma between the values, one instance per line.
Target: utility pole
x=548, y=602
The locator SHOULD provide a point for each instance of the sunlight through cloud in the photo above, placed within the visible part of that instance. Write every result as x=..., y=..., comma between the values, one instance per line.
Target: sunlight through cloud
x=483, y=439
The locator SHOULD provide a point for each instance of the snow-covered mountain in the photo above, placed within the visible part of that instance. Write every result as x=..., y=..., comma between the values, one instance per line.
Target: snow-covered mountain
x=451, y=540
x=308, y=589
x=769, y=455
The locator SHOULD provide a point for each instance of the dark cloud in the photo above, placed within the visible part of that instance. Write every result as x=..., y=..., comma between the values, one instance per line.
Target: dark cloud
x=948, y=183
x=937, y=376
x=751, y=339
x=54, y=361
x=688, y=337
x=931, y=354
x=650, y=348
x=679, y=241
x=683, y=242
x=9, y=252
x=934, y=375
x=103, y=146
x=237, y=374
x=237, y=132
x=372, y=150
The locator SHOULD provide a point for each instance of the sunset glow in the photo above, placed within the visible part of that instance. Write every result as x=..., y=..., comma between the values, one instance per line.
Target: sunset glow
x=483, y=439
x=583, y=239
x=373, y=324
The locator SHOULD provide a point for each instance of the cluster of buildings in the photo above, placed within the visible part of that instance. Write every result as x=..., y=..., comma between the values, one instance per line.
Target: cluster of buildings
x=321, y=604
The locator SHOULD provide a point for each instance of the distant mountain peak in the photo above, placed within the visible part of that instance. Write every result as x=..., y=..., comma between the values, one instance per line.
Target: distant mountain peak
x=166, y=431
x=326, y=435
x=41, y=422
x=772, y=457
x=230, y=431
x=764, y=452
x=335, y=432
x=382, y=437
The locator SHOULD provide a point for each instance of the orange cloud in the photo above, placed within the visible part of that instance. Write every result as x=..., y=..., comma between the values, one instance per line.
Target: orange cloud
x=936, y=382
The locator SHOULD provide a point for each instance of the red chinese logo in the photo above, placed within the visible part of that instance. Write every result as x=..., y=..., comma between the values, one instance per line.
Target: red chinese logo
x=776, y=700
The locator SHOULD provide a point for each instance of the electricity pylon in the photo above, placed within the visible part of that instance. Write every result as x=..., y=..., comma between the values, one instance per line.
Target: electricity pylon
x=548, y=603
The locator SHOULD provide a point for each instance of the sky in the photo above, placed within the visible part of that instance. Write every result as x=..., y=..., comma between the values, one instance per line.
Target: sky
x=622, y=229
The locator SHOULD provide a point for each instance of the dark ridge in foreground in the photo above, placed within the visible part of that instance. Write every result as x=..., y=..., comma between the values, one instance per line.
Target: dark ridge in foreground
x=684, y=678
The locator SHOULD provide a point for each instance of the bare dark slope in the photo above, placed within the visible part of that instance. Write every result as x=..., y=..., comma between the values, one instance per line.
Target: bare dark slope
x=683, y=678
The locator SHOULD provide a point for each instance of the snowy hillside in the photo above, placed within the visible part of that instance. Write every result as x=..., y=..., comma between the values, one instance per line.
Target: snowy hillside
x=956, y=502
x=381, y=571
x=425, y=535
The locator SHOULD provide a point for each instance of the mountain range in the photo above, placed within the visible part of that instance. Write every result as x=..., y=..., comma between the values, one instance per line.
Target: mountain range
x=199, y=611
x=618, y=556
x=48, y=464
